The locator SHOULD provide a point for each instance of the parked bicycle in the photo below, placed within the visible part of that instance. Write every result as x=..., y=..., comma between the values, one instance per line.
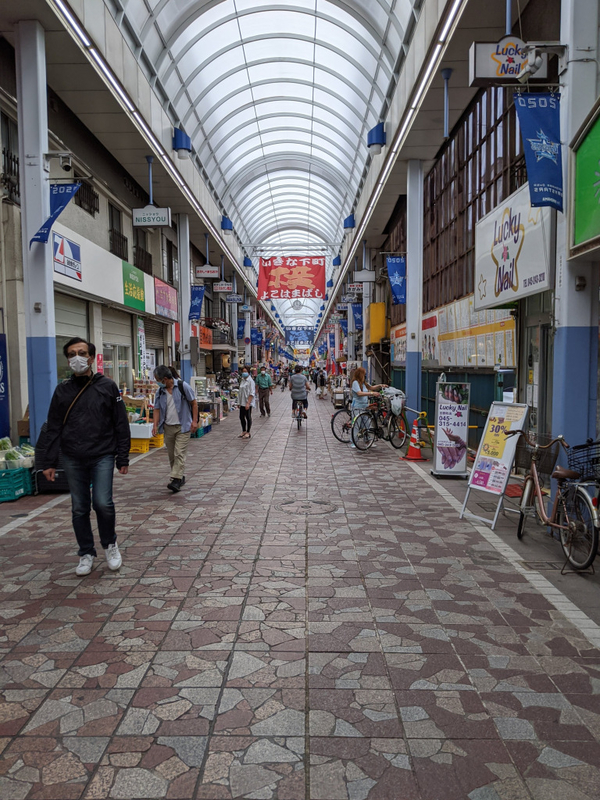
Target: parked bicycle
x=573, y=513
x=341, y=421
x=383, y=419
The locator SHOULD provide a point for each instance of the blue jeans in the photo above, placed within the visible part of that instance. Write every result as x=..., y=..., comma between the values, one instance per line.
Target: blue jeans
x=81, y=475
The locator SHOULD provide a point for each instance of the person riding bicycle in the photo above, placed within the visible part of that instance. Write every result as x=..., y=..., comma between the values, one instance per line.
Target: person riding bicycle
x=299, y=387
x=361, y=391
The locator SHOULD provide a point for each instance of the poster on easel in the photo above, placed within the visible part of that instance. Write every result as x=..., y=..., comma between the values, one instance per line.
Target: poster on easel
x=451, y=429
x=496, y=454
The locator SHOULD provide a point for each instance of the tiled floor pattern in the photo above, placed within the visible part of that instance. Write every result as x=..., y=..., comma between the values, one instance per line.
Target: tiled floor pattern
x=382, y=650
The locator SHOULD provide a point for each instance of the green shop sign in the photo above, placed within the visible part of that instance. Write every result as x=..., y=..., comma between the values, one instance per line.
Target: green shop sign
x=133, y=287
x=586, y=208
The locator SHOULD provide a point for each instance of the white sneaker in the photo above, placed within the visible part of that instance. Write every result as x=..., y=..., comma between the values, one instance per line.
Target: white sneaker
x=113, y=557
x=85, y=565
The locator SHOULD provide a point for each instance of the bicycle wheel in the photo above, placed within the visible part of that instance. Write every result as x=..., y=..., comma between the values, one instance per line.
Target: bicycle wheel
x=341, y=425
x=580, y=543
x=397, y=431
x=299, y=420
x=525, y=504
x=364, y=430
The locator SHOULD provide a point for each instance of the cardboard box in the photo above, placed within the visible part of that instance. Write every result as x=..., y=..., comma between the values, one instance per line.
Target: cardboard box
x=23, y=427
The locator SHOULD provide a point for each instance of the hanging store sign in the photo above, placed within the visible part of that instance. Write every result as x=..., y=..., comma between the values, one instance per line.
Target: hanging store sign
x=539, y=118
x=291, y=277
x=512, y=252
x=364, y=276
x=246, y=308
x=223, y=286
x=451, y=429
x=151, y=217
x=234, y=298
x=207, y=271
x=67, y=257
x=165, y=298
x=348, y=298
x=134, y=294
x=396, y=269
x=342, y=306
x=296, y=334
x=501, y=62
x=355, y=288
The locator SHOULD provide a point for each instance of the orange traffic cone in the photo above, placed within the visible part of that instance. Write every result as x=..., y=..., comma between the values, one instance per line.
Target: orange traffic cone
x=414, y=449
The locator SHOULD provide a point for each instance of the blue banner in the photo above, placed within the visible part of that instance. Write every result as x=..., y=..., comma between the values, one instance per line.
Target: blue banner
x=539, y=118
x=332, y=345
x=344, y=326
x=358, y=317
x=60, y=194
x=396, y=267
x=241, y=328
x=255, y=336
x=296, y=334
x=196, y=299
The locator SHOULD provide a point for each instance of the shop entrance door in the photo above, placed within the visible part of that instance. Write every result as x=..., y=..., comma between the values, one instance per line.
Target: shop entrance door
x=536, y=376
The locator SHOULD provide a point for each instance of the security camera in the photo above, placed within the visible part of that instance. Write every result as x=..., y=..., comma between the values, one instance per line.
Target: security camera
x=65, y=162
x=534, y=62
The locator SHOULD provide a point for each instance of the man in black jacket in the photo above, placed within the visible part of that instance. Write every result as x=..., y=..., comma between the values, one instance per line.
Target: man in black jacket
x=87, y=421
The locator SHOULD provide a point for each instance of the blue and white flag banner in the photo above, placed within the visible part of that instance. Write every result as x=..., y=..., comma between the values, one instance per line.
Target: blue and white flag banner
x=358, y=316
x=332, y=345
x=196, y=299
x=60, y=194
x=344, y=326
x=241, y=328
x=255, y=336
x=396, y=268
x=539, y=118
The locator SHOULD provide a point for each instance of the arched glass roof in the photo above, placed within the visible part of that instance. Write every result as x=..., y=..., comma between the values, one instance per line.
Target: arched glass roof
x=278, y=99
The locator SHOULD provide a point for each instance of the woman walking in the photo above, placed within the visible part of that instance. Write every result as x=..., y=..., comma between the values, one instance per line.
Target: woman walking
x=246, y=402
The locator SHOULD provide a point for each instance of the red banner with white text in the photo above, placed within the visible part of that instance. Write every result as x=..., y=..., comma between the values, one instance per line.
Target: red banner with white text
x=291, y=277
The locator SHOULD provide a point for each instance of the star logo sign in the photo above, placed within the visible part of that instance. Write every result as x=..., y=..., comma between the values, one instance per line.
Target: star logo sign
x=505, y=255
x=396, y=279
x=482, y=287
x=543, y=147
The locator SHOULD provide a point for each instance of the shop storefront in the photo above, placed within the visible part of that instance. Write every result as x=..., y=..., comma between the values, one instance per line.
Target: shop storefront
x=71, y=315
x=155, y=343
x=117, y=347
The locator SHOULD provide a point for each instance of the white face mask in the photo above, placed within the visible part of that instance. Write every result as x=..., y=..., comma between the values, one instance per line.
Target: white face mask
x=79, y=364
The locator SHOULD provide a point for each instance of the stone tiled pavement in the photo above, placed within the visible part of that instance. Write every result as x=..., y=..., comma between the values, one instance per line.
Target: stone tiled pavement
x=374, y=648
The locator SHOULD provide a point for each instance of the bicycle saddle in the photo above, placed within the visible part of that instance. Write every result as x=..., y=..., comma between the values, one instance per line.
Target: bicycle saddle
x=562, y=474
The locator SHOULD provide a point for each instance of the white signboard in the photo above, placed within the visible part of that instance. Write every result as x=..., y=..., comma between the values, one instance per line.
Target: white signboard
x=67, y=257
x=234, y=298
x=223, y=286
x=512, y=252
x=151, y=217
x=496, y=453
x=355, y=287
x=501, y=62
x=364, y=275
x=451, y=429
x=208, y=272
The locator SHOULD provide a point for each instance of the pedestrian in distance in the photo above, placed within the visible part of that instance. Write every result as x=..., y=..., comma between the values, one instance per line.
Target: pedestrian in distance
x=87, y=422
x=176, y=415
x=246, y=402
x=265, y=390
x=321, y=385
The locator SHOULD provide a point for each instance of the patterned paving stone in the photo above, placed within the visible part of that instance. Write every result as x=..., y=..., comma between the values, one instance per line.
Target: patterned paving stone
x=380, y=651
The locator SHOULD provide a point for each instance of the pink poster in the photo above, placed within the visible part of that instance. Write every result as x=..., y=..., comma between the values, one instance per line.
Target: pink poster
x=165, y=298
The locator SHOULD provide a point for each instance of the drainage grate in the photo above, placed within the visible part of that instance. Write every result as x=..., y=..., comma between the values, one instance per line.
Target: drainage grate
x=306, y=507
x=540, y=566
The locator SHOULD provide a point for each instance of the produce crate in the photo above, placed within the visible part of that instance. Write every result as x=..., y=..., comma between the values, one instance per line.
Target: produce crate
x=157, y=441
x=14, y=483
x=140, y=446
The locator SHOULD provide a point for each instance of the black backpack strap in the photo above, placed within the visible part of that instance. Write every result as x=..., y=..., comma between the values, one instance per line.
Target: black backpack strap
x=185, y=397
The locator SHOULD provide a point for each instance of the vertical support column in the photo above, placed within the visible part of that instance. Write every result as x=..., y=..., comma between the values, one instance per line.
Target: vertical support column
x=248, y=350
x=414, y=280
x=185, y=326
x=366, y=302
x=35, y=210
x=234, y=322
x=351, y=334
x=576, y=312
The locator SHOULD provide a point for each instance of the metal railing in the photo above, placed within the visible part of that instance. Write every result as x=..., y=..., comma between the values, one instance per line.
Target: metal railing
x=118, y=244
x=142, y=259
x=87, y=198
x=10, y=174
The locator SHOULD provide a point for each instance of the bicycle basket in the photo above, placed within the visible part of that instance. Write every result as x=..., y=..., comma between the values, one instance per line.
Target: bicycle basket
x=396, y=399
x=547, y=458
x=585, y=459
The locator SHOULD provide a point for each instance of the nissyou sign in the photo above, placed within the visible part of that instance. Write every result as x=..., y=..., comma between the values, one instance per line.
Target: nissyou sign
x=513, y=252
x=151, y=217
